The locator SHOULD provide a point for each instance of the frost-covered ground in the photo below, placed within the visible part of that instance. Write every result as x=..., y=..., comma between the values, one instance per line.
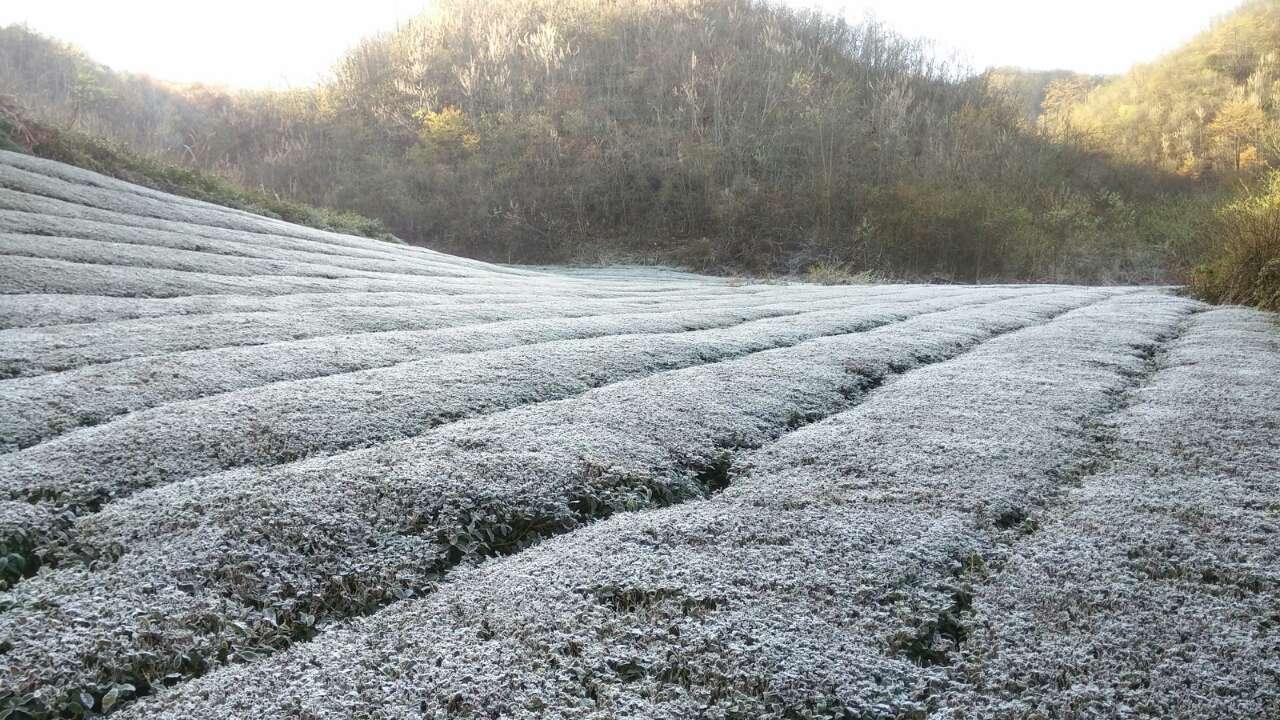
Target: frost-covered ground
x=251, y=469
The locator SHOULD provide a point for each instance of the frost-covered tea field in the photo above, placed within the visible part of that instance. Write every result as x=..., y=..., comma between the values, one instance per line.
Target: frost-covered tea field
x=255, y=470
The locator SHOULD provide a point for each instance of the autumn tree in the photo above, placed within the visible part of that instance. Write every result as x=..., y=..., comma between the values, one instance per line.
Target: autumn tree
x=1061, y=99
x=1237, y=125
x=446, y=136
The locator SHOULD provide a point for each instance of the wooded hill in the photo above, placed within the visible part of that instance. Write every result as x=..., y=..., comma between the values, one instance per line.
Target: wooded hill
x=1209, y=111
x=1209, y=107
x=731, y=135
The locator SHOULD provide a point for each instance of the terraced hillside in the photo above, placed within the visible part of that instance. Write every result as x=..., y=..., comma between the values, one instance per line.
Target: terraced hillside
x=252, y=470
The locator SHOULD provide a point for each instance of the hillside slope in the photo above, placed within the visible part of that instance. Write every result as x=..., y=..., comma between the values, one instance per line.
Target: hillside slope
x=723, y=135
x=1210, y=107
x=1210, y=112
x=252, y=469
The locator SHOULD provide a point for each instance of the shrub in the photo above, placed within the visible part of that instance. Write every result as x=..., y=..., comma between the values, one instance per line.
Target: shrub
x=834, y=273
x=1244, y=266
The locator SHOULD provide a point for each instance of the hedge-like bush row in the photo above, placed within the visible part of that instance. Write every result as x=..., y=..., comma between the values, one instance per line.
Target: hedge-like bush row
x=54, y=349
x=99, y=252
x=290, y=473
x=34, y=310
x=127, y=245
x=20, y=274
x=82, y=187
x=831, y=579
x=287, y=421
x=1153, y=585
x=32, y=214
x=51, y=210
x=36, y=408
x=236, y=565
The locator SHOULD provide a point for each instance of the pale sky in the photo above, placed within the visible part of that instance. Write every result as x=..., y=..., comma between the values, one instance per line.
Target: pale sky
x=283, y=43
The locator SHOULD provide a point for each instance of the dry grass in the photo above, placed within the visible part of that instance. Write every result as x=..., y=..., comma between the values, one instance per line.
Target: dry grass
x=1245, y=268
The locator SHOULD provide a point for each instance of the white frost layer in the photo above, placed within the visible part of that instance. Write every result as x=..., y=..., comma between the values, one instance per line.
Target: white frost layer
x=33, y=214
x=123, y=254
x=33, y=409
x=810, y=588
x=1154, y=585
x=31, y=351
x=53, y=349
x=43, y=310
x=329, y=537
x=286, y=421
x=30, y=311
x=45, y=178
x=901, y=467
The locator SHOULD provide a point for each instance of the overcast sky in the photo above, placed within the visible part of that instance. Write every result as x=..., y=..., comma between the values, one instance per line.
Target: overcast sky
x=282, y=43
